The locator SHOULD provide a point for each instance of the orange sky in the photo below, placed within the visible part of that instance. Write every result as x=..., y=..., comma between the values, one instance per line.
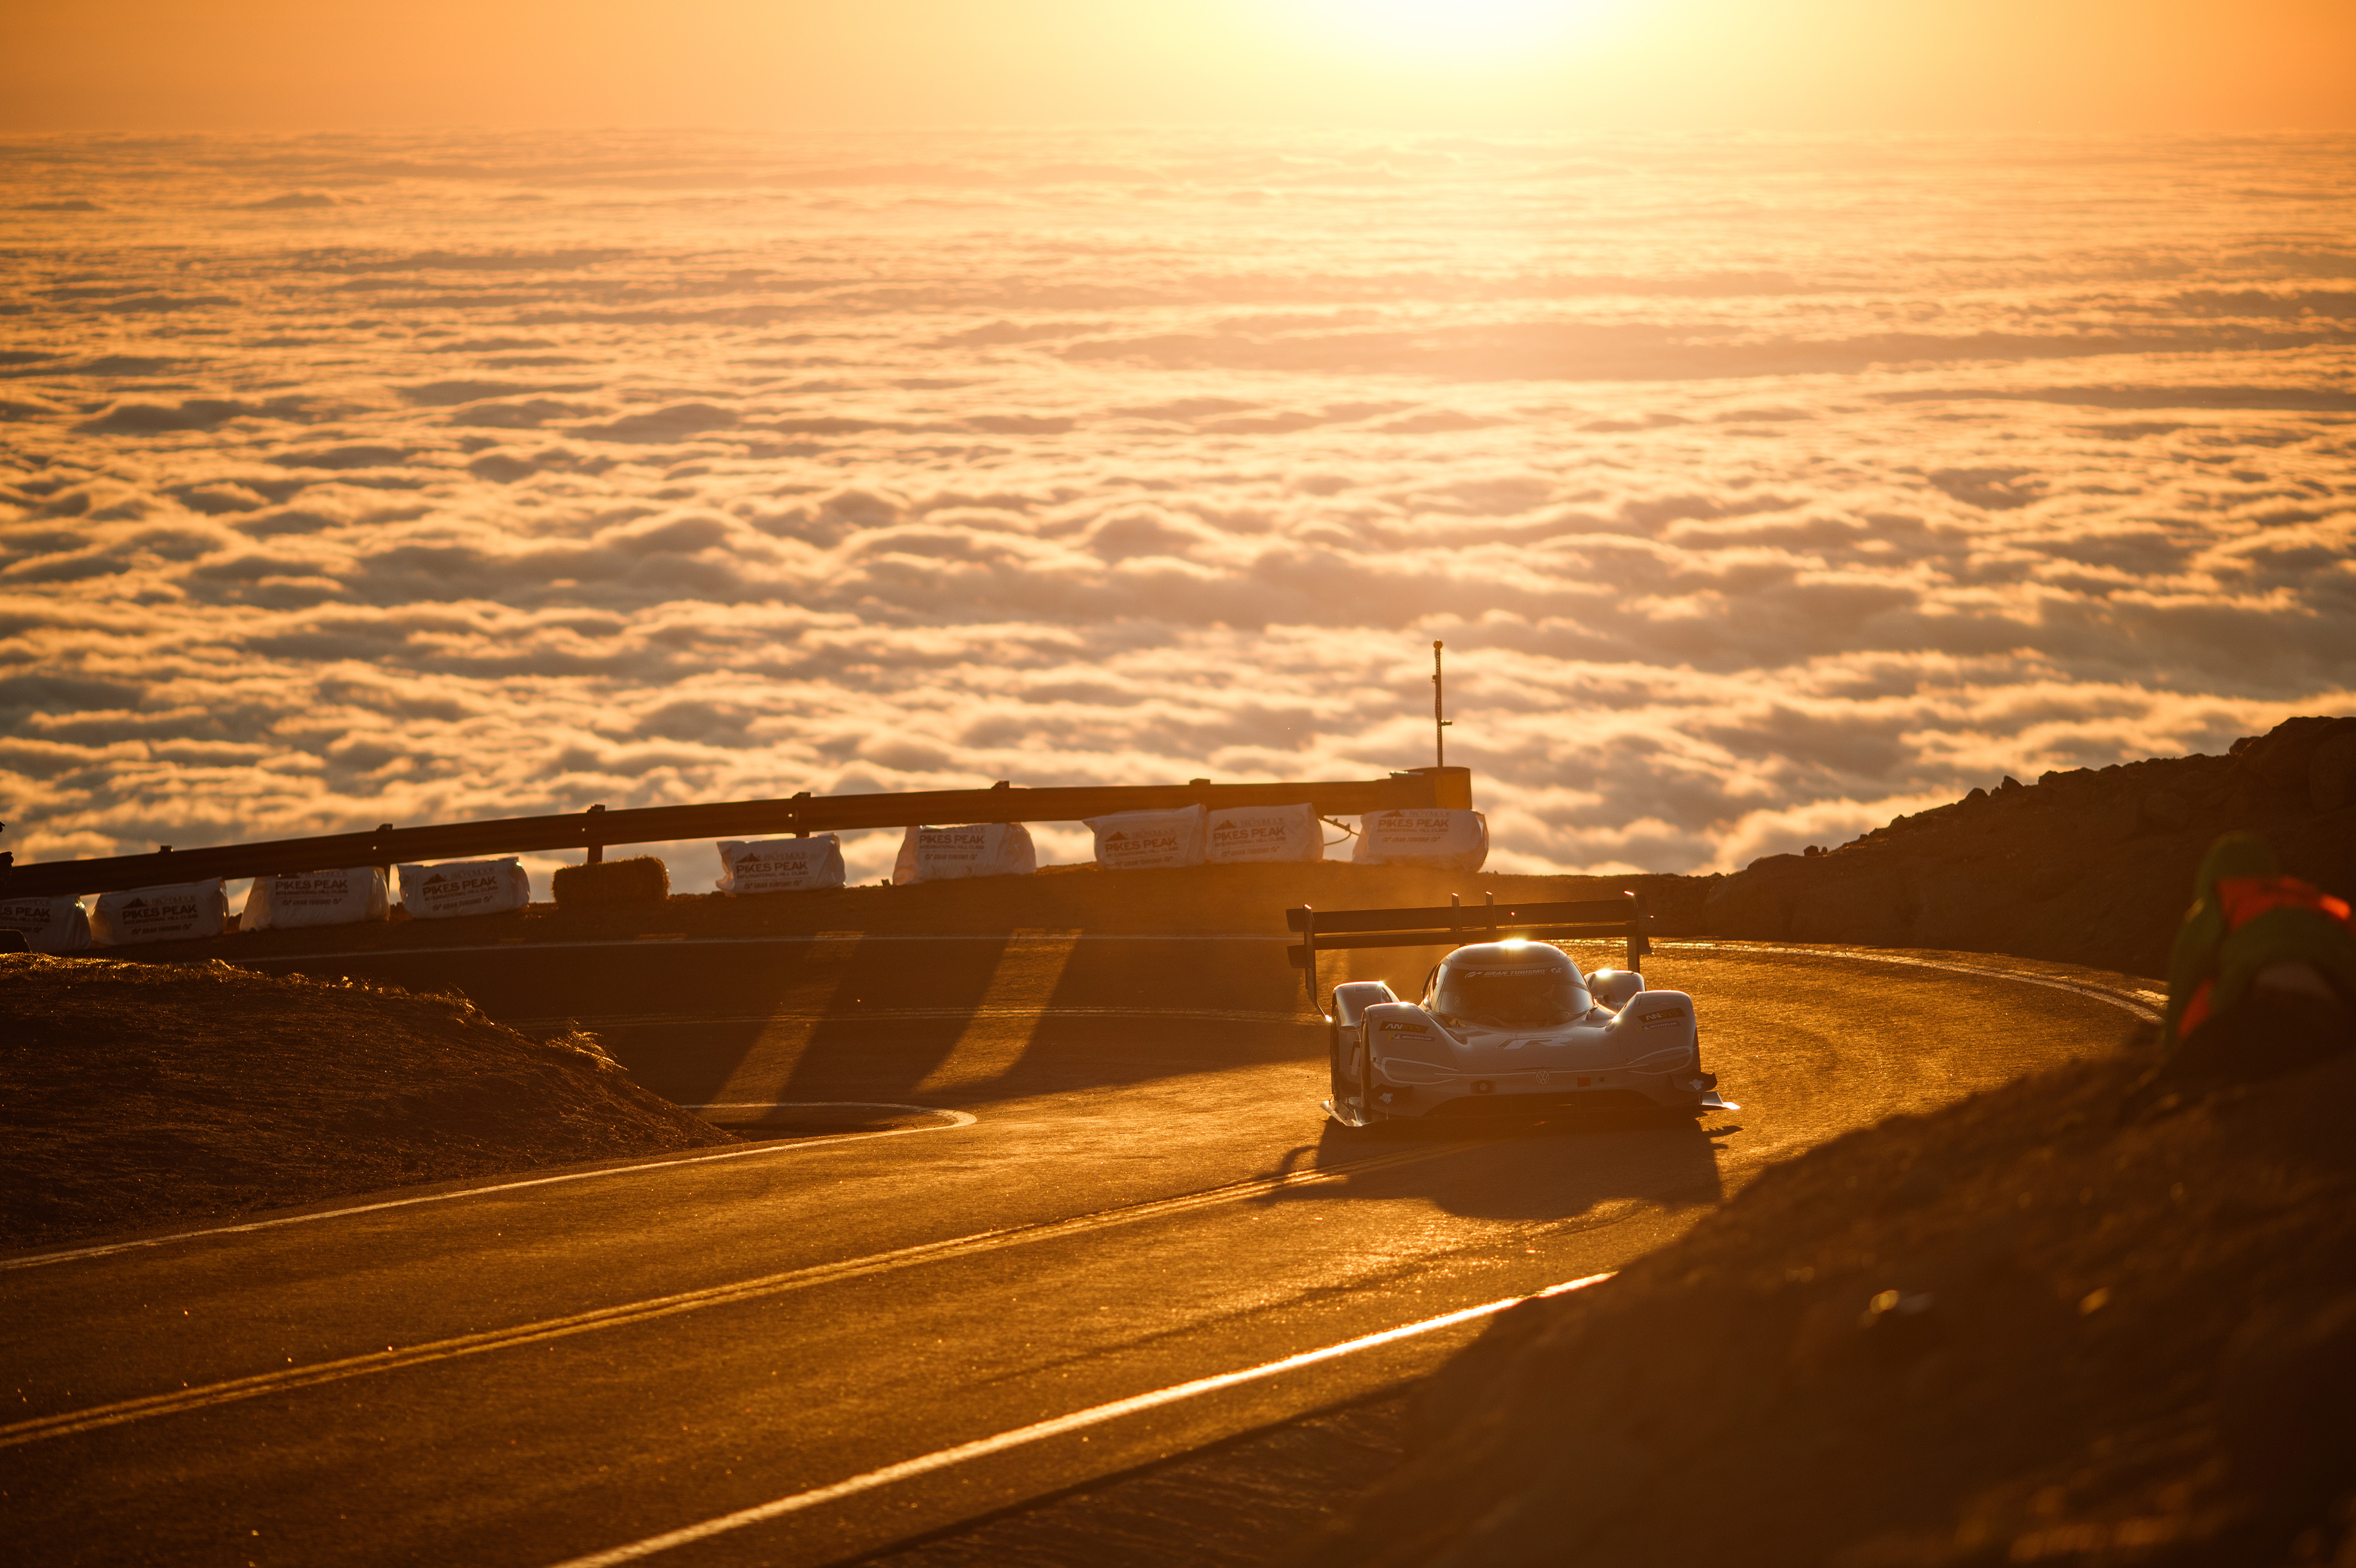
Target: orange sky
x=1837, y=65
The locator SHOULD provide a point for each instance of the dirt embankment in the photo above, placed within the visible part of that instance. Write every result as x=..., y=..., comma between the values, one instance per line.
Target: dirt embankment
x=2105, y=1315
x=2090, y=867
x=141, y=1094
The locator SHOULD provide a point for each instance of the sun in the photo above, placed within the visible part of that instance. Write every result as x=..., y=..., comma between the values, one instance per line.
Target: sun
x=1495, y=29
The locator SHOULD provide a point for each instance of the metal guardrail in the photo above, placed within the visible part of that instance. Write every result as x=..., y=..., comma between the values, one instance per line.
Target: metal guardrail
x=595, y=830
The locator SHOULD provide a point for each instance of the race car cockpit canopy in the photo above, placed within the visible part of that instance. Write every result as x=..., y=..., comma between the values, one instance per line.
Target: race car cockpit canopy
x=1509, y=985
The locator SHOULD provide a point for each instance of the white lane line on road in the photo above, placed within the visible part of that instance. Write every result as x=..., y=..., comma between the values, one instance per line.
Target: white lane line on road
x=793, y=1145
x=2138, y=1003
x=92, y=1418
x=1094, y=1416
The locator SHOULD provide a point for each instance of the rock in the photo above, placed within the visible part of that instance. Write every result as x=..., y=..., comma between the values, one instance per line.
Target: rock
x=2166, y=810
x=1867, y=904
x=1751, y=905
x=2266, y=1034
x=2332, y=771
x=1901, y=1327
x=2090, y=867
x=2283, y=755
x=2289, y=1388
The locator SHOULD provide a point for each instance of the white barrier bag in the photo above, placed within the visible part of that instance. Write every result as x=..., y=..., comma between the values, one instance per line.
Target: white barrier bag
x=184, y=912
x=464, y=886
x=317, y=898
x=1141, y=840
x=1240, y=835
x=983, y=849
x=779, y=864
x=1450, y=840
x=50, y=925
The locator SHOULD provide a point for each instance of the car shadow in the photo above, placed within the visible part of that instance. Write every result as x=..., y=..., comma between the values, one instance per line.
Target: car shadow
x=1561, y=1168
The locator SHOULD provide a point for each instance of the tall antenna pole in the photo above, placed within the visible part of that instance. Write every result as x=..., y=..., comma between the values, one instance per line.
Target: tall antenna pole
x=1439, y=721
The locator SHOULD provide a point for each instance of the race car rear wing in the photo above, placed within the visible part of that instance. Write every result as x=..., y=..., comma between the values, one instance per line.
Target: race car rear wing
x=1457, y=924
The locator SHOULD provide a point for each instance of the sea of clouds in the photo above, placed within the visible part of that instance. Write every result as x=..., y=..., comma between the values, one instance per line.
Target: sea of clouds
x=1761, y=488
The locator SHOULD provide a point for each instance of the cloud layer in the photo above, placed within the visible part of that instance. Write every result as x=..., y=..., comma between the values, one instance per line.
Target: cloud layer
x=1761, y=488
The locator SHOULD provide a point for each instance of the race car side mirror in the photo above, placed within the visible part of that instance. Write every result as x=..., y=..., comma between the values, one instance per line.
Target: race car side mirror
x=1616, y=988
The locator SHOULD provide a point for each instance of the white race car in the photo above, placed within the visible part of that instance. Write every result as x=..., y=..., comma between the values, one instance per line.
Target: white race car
x=1508, y=1028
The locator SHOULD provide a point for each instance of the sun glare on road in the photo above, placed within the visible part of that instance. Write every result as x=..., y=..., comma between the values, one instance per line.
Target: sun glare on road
x=1479, y=29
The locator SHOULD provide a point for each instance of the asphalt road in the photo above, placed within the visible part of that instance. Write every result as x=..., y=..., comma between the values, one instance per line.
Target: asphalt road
x=1140, y=1192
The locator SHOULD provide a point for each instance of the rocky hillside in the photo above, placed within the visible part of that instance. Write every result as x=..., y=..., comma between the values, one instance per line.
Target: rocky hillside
x=2090, y=867
x=142, y=1095
x=2101, y=1316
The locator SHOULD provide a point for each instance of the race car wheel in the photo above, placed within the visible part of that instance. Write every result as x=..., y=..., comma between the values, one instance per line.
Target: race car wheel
x=1352, y=1068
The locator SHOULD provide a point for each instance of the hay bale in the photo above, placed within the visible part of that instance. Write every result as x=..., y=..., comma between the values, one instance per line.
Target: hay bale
x=641, y=879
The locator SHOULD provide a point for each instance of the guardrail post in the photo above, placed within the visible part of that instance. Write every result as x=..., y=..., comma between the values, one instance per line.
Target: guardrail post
x=1640, y=946
x=801, y=829
x=1309, y=955
x=1452, y=788
x=597, y=856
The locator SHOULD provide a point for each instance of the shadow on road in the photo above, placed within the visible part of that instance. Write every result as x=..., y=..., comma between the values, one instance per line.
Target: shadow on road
x=1553, y=1170
x=960, y=1023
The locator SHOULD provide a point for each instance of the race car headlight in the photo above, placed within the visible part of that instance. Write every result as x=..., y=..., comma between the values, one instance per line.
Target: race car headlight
x=1668, y=1060
x=1400, y=1070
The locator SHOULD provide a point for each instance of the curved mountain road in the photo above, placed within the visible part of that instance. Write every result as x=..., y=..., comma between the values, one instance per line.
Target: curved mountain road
x=533, y=1372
